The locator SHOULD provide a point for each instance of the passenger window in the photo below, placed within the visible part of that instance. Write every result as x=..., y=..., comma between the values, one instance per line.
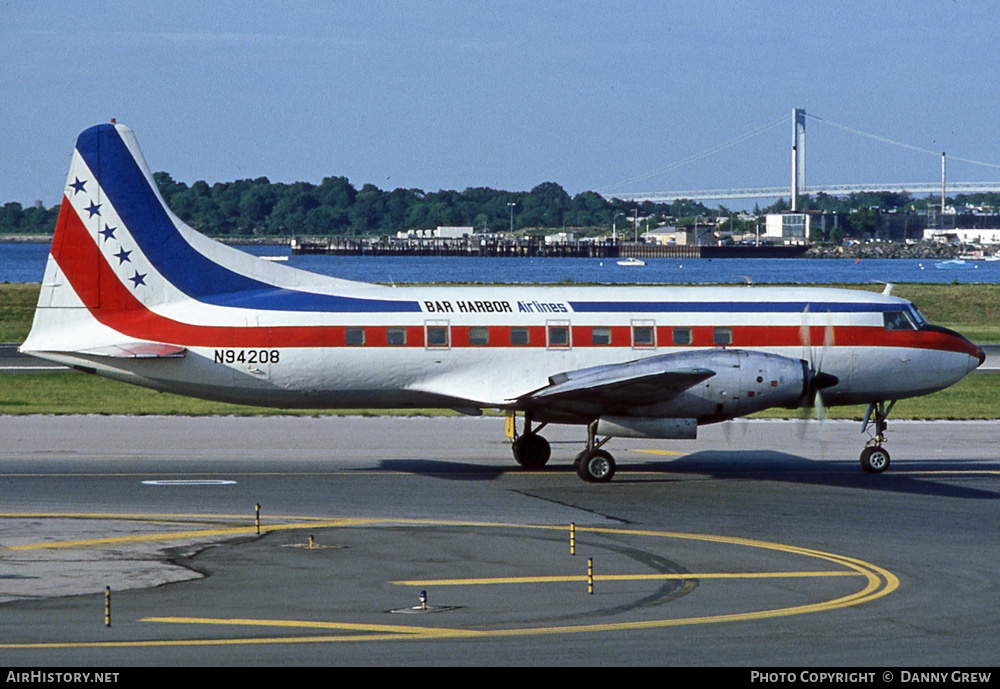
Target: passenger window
x=600, y=336
x=519, y=336
x=642, y=336
x=437, y=336
x=479, y=336
x=558, y=336
x=396, y=337
x=722, y=336
x=682, y=336
x=354, y=337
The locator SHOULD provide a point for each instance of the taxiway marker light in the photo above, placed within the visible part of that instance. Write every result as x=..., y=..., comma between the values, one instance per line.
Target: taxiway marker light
x=423, y=600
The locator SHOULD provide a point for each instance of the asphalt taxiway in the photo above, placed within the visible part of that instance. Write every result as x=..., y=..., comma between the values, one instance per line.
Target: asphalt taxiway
x=762, y=543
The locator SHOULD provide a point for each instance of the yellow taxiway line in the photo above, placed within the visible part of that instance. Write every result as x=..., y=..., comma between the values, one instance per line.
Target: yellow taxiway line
x=623, y=577
x=879, y=582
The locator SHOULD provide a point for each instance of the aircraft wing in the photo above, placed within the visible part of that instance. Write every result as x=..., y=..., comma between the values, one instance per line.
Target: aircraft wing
x=634, y=383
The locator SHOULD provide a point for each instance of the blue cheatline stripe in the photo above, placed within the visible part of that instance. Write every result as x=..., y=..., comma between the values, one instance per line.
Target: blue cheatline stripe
x=814, y=308
x=192, y=273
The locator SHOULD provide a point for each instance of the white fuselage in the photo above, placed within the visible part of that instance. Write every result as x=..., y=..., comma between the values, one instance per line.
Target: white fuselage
x=457, y=350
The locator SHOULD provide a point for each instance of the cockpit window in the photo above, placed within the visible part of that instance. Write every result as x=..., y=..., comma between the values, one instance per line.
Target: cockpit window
x=917, y=317
x=898, y=320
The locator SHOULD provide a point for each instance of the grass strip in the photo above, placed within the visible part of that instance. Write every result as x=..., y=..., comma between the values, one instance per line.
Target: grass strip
x=72, y=392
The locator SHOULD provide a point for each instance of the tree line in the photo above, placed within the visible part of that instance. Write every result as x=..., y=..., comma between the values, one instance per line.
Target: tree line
x=335, y=207
x=258, y=207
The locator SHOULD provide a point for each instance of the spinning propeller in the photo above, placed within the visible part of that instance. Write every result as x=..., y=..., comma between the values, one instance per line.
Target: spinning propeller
x=815, y=380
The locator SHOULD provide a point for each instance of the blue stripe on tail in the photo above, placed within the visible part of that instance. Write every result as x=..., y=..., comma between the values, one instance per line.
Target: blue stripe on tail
x=194, y=274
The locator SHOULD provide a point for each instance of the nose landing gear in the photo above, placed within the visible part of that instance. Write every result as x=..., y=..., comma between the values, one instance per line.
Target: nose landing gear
x=874, y=458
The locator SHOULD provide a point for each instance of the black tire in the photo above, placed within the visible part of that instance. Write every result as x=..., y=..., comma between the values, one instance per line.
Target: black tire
x=596, y=467
x=531, y=451
x=874, y=460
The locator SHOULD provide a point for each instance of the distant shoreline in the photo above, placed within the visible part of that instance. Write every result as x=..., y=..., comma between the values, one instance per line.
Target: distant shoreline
x=927, y=251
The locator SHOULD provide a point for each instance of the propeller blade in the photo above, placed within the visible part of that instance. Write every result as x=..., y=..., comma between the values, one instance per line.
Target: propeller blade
x=805, y=336
x=827, y=341
x=823, y=436
x=819, y=407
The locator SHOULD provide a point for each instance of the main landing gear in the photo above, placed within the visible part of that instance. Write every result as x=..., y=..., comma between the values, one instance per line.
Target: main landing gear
x=531, y=450
x=593, y=465
x=875, y=458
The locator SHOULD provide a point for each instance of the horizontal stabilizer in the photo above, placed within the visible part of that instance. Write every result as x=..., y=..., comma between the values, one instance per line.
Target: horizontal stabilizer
x=136, y=350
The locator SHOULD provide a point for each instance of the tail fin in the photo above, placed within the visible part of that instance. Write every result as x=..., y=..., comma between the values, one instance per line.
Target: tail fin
x=112, y=228
x=125, y=271
x=93, y=255
x=117, y=245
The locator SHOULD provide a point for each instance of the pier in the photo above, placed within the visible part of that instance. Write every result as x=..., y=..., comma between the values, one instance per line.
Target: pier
x=530, y=247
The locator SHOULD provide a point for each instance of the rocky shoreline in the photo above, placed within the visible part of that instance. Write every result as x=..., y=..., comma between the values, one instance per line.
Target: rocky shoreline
x=922, y=250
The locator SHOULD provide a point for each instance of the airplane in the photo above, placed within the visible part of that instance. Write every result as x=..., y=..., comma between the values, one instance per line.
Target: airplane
x=132, y=293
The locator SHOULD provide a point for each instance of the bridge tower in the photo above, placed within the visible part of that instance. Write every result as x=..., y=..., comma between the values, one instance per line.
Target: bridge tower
x=798, y=154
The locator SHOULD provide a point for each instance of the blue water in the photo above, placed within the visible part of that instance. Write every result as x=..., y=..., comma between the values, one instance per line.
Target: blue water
x=26, y=263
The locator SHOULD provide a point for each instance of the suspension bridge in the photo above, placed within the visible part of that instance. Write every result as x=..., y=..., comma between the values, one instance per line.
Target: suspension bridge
x=798, y=187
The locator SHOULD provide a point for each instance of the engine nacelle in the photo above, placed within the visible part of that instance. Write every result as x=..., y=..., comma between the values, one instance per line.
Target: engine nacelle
x=744, y=382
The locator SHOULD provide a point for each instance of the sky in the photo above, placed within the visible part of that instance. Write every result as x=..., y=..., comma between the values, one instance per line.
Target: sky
x=604, y=96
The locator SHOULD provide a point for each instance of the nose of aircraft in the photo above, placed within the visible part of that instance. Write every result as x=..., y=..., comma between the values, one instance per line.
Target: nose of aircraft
x=977, y=356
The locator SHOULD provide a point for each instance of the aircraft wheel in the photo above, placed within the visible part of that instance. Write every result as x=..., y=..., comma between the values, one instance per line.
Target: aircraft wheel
x=596, y=467
x=531, y=451
x=874, y=460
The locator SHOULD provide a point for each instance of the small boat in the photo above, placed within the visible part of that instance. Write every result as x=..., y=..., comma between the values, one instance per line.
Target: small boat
x=954, y=264
x=632, y=262
x=275, y=258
